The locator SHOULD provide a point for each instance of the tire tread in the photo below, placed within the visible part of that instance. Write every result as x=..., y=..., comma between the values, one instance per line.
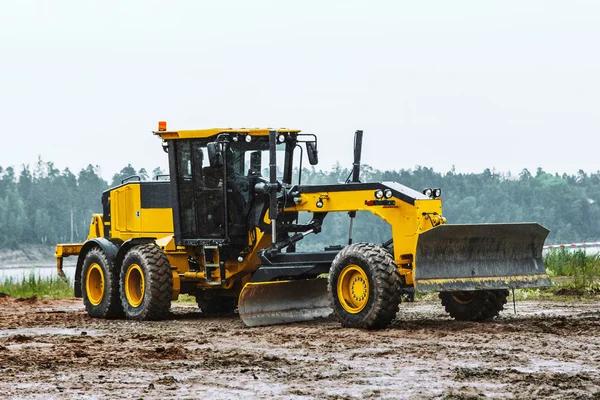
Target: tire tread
x=386, y=280
x=486, y=305
x=159, y=280
x=110, y=307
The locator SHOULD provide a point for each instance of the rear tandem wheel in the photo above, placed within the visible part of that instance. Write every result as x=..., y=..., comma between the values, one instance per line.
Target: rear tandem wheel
x=364, y=286
x=474, y=305
x=100, y=286
x=146, y=283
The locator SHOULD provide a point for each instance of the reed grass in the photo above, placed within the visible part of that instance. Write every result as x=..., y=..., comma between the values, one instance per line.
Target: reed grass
x=35, y=285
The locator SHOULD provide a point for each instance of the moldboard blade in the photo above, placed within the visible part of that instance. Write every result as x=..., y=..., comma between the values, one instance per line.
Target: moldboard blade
x=283, y=302
x=482, y=256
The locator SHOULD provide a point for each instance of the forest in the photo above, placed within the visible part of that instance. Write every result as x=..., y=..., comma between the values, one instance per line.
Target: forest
x=42, y=205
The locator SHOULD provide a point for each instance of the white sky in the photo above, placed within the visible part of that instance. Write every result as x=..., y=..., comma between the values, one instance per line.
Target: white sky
x=475, y=84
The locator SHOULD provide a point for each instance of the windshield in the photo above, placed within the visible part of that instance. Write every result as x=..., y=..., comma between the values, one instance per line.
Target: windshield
x=253, y=159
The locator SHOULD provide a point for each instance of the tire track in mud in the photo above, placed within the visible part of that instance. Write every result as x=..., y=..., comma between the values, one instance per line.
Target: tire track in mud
x=51, y=349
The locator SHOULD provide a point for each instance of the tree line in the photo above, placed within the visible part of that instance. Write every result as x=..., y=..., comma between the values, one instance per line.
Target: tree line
x=43, y=205
x=40, y=204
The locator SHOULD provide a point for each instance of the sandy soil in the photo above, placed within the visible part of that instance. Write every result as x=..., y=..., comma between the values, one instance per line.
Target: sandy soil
x=51, y=349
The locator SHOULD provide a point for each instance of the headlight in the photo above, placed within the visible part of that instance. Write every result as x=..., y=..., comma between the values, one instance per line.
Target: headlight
x=379, y=194
x=437, y=193
x=281, y=138
x=428, y=192
x=235, y=137
x=248, y=138
x=388, y=193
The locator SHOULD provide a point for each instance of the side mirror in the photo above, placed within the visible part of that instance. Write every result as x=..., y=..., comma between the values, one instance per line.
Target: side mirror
x=312, y=152
x=215, y=154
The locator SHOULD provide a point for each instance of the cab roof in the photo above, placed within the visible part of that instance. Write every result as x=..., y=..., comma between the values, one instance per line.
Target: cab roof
x=213, y=132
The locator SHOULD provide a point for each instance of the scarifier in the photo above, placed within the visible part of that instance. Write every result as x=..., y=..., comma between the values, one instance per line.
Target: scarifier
x=224, y=227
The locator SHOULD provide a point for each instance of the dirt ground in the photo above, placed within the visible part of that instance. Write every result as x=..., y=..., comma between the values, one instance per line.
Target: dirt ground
x=51, y=349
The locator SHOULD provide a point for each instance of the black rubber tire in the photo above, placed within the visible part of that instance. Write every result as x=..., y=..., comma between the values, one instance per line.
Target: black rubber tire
x=213, y=305
x=158, y=290
x=384, y=286
x=110, y=306
x=484, y=304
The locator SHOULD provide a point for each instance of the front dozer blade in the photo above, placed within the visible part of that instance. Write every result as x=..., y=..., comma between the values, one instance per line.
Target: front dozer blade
x=478, y=257
x=282, y=302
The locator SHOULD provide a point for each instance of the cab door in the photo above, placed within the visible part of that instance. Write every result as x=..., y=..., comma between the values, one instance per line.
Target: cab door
x=200, y=193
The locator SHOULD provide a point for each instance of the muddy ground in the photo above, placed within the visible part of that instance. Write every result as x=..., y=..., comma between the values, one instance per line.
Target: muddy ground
x=51, y=349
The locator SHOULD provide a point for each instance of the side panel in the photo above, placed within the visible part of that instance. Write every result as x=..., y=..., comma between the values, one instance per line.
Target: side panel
x=158, y=221
x=125, y=207
x=156, y=214
x=141, y=210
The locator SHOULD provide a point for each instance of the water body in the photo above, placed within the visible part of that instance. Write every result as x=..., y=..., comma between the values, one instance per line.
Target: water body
x=18, y=273
x=572, y=249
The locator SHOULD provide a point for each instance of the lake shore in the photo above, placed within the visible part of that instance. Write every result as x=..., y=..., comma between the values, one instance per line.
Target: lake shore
x=31, y=256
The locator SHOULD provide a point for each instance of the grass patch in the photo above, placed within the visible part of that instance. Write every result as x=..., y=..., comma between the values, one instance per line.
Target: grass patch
x=585, y=268
x=573, y=272
x=185, y=298
x=27, y=286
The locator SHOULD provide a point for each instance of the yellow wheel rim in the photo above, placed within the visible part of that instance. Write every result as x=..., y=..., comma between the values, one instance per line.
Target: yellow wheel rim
x=353, y=289
x=464, y=297
x=134, y=285
x=94, y=284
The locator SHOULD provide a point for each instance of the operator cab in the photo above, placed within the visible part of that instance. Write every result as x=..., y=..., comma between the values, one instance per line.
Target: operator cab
x=214, y=179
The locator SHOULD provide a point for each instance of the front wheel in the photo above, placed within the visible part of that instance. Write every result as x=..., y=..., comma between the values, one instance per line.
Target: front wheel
x=146, y=283
x=364, y=286
x=474, y=305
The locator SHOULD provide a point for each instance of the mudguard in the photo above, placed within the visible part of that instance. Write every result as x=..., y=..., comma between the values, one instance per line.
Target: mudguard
x=109, y=248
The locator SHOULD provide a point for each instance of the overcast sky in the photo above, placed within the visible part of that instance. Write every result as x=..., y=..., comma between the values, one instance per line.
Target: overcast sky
x=474, y=84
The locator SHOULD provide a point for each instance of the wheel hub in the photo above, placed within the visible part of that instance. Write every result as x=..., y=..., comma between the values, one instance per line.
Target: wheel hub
x=353, y=289
x=359, y=288
x=135, y=285
x=94, y=284
x=464, y=297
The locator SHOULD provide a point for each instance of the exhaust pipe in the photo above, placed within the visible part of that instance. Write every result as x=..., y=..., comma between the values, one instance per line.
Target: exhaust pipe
x=358, y=135
x=273, y=187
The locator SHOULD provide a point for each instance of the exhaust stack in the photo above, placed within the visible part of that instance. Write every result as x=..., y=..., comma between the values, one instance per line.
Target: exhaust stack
x=358, y=135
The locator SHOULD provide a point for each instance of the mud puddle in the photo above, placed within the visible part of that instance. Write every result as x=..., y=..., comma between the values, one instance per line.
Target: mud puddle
x=47, y=331
x=548, y=349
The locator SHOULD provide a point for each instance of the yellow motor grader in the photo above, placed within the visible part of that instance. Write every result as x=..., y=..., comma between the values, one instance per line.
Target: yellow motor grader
x=225, y=225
